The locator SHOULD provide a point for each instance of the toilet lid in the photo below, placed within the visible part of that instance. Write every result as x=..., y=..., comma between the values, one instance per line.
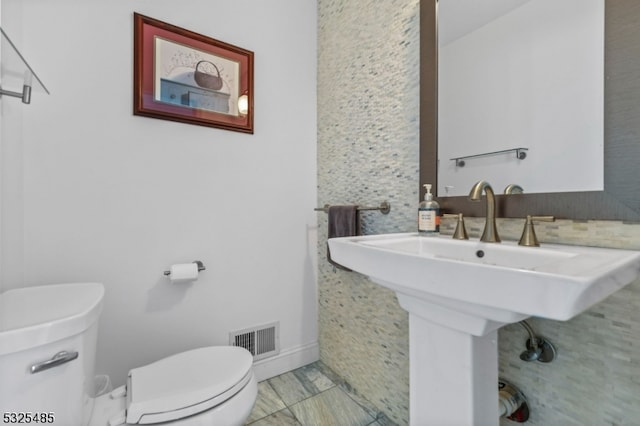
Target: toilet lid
x=186, y=383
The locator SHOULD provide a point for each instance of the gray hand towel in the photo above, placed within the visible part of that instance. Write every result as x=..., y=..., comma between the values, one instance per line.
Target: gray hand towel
x=344, y=221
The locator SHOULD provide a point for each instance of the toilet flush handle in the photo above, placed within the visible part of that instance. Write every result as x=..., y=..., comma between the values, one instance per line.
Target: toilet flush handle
x=60, y=358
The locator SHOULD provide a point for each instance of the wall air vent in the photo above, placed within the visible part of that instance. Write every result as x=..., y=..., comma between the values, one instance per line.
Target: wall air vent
x=262, y=341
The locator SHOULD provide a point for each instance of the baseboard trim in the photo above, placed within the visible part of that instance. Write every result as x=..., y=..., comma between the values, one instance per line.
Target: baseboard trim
x=286, y=360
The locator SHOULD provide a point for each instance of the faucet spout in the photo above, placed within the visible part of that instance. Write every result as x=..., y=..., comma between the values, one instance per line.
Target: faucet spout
x=490, y=233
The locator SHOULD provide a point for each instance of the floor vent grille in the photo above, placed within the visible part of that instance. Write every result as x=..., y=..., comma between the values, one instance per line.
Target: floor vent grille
x=262, y=341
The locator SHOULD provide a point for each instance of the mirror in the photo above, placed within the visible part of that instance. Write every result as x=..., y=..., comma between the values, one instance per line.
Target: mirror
x=620, y=198
x=520, y=91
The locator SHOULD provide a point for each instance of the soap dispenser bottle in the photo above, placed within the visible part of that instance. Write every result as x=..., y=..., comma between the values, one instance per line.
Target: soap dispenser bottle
x=429, y=215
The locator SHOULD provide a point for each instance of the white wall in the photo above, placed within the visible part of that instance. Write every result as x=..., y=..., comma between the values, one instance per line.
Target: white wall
x=106, y=196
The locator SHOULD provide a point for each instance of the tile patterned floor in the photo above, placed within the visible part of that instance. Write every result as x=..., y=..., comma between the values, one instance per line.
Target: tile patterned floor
x=312, y=395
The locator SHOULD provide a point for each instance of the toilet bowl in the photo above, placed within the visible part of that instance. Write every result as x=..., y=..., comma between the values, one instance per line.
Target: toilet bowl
x=47, y=356
x=206, y=386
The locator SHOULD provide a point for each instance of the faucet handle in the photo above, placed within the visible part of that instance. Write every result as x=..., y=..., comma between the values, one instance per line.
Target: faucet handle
x=460, y=232
x=528, y=237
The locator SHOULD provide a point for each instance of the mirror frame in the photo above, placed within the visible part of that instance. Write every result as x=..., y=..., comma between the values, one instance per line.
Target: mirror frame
x=620, y=199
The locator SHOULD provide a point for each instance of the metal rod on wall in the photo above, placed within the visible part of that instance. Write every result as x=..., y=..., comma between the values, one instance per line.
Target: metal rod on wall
x=384, y=208
x=520, y=155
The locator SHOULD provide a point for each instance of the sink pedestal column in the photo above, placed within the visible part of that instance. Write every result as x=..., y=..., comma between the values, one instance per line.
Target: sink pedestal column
x=453, y=374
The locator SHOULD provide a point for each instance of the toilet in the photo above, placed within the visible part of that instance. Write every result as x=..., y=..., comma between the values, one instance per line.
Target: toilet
x=48, y=337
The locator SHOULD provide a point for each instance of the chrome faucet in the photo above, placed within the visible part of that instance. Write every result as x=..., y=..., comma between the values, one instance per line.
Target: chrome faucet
x=490, y=233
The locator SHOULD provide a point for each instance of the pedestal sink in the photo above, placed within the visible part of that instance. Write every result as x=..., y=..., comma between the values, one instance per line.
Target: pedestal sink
x=459, y=293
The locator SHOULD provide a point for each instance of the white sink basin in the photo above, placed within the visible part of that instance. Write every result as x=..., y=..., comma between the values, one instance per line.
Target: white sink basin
x=508, y=282
x=458, y=293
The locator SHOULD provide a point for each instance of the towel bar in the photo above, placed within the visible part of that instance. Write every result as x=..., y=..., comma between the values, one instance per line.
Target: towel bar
x=384, y=208
x=521, y=154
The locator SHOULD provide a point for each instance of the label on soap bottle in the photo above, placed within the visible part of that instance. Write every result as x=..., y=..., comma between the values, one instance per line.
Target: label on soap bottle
x=429, y=221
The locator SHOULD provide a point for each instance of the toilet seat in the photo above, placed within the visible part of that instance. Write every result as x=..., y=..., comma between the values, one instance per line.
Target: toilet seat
x=186, y=383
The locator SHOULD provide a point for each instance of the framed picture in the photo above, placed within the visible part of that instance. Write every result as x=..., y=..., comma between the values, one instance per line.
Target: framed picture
x=183, y=76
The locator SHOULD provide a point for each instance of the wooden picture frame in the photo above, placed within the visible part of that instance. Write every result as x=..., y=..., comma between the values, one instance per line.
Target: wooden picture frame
x=183, y=76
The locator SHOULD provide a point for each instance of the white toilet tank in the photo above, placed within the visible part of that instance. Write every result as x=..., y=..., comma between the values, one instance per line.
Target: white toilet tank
x=41, y=330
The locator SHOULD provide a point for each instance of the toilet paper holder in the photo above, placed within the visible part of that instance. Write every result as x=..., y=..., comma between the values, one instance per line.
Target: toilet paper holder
x=201, y=267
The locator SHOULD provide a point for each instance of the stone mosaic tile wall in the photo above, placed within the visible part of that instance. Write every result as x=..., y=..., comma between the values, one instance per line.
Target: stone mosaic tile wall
x=368, y=104
x=368, y=152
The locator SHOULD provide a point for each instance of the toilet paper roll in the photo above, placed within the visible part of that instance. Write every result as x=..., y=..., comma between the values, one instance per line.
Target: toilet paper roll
x=183, y=272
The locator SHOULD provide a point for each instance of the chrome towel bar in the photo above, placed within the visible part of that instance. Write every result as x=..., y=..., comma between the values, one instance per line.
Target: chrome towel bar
x=521, y=154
